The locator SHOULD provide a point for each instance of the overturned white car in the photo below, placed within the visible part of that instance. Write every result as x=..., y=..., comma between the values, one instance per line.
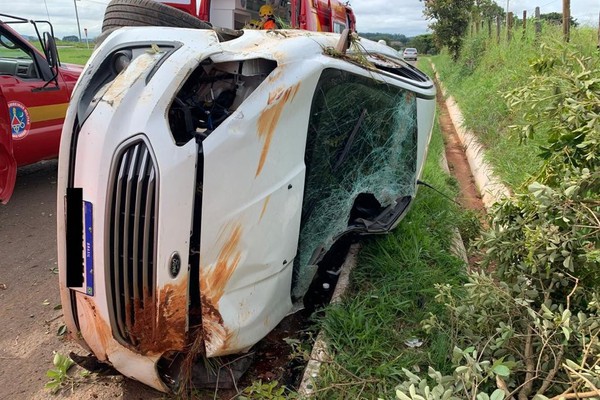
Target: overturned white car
x=202, y=180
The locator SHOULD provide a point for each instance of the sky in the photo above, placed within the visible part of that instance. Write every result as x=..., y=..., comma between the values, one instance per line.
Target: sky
x=386, y=16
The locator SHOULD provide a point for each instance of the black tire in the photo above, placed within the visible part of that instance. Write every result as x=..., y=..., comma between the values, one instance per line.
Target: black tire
x=105, y=33
x=121, y=13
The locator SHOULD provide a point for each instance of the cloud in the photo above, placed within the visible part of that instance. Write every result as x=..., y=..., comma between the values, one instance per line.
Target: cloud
x=387, y=16
x=61, y=13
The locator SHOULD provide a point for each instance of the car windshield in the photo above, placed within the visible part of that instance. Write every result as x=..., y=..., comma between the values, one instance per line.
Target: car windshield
x=8, y=49
x=353, y=146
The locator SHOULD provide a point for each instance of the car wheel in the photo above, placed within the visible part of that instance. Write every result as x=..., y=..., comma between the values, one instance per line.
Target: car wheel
x=121, y=13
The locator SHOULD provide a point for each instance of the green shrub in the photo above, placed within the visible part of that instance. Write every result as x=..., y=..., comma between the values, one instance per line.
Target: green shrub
x=529, y=320
x=562, y=98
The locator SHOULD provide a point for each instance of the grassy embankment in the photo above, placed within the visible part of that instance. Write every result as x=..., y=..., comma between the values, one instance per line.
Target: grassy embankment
x=485, y=71
x=392, y=286
x=74, y=53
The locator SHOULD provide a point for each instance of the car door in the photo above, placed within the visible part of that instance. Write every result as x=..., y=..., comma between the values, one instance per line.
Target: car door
x=8, y=165
x=36, y=107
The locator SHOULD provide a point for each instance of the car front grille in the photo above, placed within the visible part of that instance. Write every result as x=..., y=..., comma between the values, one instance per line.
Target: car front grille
x=132, y=237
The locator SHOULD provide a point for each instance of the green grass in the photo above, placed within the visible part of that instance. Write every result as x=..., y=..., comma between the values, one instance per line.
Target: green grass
x=392, y=290
x=484, y=72
x=72, y=53
x=68, y=52
x=78, y=54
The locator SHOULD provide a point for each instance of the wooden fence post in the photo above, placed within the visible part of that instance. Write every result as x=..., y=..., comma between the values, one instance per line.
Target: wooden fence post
x=510, y=26
x=538, y=23
x=498, y=29
x=489, y=24
x=599, y=31
x=524, y=23
x=566, y=19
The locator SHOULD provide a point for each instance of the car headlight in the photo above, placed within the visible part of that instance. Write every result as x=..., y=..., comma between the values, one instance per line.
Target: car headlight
x=113, y=65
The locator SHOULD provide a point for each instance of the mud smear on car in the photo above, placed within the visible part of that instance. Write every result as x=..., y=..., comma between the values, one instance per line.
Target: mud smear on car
x=269, y=118
x=172, y=320
x=212, y=286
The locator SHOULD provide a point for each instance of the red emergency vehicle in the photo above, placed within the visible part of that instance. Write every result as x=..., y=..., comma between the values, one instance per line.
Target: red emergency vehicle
x=312, y=15
x=35, y=89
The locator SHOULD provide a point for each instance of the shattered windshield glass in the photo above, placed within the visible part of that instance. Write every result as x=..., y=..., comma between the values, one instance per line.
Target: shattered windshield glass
x=362, y=139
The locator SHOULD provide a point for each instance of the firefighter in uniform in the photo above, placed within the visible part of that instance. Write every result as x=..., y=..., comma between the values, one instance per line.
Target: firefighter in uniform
x=267, y=18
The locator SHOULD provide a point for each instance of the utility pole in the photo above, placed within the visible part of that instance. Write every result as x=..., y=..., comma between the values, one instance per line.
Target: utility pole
x=77, y=17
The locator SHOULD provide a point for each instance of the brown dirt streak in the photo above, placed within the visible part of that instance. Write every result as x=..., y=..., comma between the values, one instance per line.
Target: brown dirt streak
x=212, y=287
x=267, y=122
x=214, y=279
x=156, y=334
x=264, y=208
x=469, y=198
x=97, y=328
x=215, y=333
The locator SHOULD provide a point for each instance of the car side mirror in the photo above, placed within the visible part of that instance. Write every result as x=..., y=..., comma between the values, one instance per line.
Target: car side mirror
x=50, y=51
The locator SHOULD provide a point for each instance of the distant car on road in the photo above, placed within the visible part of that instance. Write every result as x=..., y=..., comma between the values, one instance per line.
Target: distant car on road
x=410, y=53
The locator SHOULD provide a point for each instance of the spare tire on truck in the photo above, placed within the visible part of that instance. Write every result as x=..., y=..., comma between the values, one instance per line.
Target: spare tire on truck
x=121, y=13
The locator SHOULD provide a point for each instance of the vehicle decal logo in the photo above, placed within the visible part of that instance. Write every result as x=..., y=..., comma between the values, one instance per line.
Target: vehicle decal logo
x=20, y=121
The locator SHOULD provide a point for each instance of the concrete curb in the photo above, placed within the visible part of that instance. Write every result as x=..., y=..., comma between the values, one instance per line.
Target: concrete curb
x=489, y=185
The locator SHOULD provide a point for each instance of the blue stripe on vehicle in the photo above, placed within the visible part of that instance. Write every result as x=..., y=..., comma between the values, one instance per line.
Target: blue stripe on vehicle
x=89, y=249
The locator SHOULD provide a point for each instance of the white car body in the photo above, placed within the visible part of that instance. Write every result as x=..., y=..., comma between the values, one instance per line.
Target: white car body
x=410, y=53
x=238, y=191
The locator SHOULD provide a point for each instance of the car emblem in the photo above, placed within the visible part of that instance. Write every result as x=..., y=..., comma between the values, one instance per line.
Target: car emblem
x=175, y=264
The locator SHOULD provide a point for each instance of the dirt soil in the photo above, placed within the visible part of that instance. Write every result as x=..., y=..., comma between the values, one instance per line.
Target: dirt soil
x=29, y=291
x=469, y=198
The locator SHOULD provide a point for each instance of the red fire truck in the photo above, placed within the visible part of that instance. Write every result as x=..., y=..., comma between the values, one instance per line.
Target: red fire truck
x=35, y=89
x=312, y=15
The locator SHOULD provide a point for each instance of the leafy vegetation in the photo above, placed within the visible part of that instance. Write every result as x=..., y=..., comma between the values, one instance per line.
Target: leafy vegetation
x=264, y=391
x=388, y=37
x=526, y=323
x=557, y=18
x=529, y=319
x=450, y=21
x=485, y=72
x=561, y=99
x=58, y=375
